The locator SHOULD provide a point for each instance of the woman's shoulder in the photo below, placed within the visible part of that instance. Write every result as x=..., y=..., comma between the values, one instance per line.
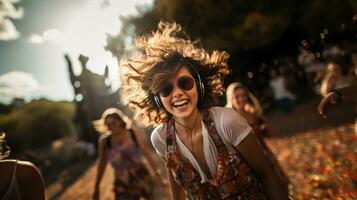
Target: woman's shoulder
x=158, y=132
x=158, y=139
x=104, y=137
x=24, y=169
x=226, y=118
x=223, y=112
x=28, y=169
x=230, y=125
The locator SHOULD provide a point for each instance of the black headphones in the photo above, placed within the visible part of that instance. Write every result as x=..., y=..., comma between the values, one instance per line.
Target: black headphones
x=199, y=86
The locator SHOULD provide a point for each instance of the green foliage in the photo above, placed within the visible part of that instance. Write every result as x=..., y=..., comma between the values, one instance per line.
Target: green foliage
x=245, y=24
x=320, y=14
x=253, y=32
x=36, y=124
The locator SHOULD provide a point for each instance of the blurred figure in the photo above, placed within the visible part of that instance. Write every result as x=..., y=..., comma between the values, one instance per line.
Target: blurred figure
x=282, y=96
x=338, y=87
x=124, y=147
x=19, y=179
x=353, y=70
x=332, y=51
x=245, y=103
x=305, y=57
x=334, y=78
x=315, y=73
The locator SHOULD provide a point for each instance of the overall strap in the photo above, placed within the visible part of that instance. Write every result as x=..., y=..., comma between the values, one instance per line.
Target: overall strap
x=133, y=137
x=185, y=175
x=212, y=131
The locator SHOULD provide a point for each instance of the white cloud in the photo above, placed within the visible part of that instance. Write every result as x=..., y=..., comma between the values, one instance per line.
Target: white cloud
x=7, y=28
x=51, y=35
x=17, y=84
x=36, y=39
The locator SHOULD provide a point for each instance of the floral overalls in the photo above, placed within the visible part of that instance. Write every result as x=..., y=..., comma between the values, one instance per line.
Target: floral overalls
x=233, y=178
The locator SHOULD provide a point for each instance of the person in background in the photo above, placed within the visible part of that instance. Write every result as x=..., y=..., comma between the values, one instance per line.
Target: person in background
x=248, y=106
x=245, y=103
x=209, y=152
x=353, y=69
x=123, y=147
x=282, y=96
x=334, y=77
x=19, y=180
x=338, y=87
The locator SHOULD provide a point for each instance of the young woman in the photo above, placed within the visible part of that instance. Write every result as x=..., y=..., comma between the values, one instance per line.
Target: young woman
x=338, y=87
x=208, y=151
x=124, y=148
x=19, y=179
x=247, y=105
x=334, y=78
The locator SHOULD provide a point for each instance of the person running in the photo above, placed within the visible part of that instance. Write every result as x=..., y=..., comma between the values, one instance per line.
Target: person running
x=123, y=147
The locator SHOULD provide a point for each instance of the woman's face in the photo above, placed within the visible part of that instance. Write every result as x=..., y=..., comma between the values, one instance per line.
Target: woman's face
x=334, y=68
x=179, y=94
x=114, y=125
x=240, y=98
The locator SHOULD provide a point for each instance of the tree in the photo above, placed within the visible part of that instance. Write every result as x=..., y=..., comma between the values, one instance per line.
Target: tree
x=254, y=32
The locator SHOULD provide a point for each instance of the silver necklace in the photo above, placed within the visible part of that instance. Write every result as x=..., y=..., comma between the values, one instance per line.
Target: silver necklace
x=191, y=131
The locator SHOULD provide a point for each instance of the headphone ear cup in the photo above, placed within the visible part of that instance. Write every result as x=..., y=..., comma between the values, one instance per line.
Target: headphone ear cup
x=201, y=87
x=158, y=101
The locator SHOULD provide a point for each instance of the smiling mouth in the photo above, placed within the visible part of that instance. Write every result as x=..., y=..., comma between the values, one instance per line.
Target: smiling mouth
x=180, y=103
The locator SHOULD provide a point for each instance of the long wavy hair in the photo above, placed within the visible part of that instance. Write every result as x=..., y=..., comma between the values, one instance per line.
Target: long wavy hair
x=253, y=105
x=99, y=125
x=160, y=55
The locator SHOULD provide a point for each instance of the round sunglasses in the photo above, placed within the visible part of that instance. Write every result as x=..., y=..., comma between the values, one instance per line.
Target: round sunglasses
x=184, y=83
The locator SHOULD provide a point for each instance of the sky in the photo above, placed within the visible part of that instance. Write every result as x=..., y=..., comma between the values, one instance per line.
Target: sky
x=35, y=35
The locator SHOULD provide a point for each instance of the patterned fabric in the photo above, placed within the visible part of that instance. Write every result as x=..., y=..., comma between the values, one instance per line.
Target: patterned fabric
x=134, y=183
x=132, y=178
x=233, y=178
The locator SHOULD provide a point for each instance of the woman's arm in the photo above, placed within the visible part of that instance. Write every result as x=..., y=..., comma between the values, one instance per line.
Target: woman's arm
x=149, y=157
x=333, y=97
x=102, y=163
x=263, y=167
x=30, y=181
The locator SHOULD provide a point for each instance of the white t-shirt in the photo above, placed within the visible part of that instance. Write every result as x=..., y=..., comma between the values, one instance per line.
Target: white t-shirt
x=279, y=88
x=231, y=127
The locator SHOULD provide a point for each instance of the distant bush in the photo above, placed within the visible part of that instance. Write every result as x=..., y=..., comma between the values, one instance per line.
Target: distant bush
x=37, y=124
